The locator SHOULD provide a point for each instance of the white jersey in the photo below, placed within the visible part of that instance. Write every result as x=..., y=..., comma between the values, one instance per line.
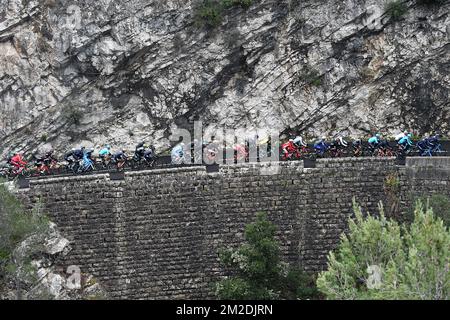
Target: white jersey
x=399, y=136
x=299, y=141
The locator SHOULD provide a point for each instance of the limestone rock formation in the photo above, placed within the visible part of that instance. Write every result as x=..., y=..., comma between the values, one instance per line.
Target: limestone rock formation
x=88, y=72
x=38, y=273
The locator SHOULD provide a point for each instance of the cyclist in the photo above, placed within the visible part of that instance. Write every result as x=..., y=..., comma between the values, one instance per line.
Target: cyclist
x=140, y=150
x=401, y=135
x=298, y=142
x=87, y=154
x=18, y=161
x=44, y=162
x=120, y=156
x=433, y=141
x=340, y=142
x=105, y=152
x=337, y=146
x=149, y=154
x=406, y=142
x=288, y=148
x=177, y=153
x=374, y=142
x=423, y=146
x=70, y=157
x=321, y=146
x=357, y=147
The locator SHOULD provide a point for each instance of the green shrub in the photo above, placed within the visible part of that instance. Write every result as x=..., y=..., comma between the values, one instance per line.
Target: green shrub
x=396, y=9
x=72, y=115
x=259, y=272
x=311, y=76
x=209, y=13
x=16, y=224
x=440, y=205
x=392, y=183
x=379, y=259
x=44, y=137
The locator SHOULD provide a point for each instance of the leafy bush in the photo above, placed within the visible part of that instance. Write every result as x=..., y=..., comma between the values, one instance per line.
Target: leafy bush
x=72, y=115
x=396, y=9
x=209, y=12
x=379, y=259
x=44, y=137
x=311, y=76
x=16, y=224
x=392, y=183
x=440, y=205
x=260, y=273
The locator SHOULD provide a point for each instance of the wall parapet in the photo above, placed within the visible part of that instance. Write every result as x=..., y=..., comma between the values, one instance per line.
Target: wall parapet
x=156, y=233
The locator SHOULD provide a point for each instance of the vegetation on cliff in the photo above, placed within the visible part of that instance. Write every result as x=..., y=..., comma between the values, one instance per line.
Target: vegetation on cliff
x=16, y=225
x=209, y=13
x=380, y=259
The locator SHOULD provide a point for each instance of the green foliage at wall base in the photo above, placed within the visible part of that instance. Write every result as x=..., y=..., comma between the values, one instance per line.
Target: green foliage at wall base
x=260, y=272
x=16, y=225
x=412, y=261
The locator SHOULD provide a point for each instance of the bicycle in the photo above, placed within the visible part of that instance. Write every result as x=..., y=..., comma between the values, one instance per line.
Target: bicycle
x=430, y=152
x=87, y=165
x=105, y=162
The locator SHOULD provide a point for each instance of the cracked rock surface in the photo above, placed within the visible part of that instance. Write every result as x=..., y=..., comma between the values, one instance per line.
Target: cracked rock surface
x=44, y=277
x=118, y=71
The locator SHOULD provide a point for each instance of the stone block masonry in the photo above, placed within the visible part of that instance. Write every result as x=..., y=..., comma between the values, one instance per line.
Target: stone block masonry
x=156, y=234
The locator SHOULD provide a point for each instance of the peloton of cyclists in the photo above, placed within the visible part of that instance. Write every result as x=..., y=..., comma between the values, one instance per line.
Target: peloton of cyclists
x=292, y=149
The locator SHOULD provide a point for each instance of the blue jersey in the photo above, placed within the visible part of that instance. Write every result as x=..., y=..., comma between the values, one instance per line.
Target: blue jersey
x=321, y=145
x=78, y=154
x=373, y=140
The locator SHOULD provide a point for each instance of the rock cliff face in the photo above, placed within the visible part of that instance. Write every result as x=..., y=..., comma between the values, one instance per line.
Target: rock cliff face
x=120, y=71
